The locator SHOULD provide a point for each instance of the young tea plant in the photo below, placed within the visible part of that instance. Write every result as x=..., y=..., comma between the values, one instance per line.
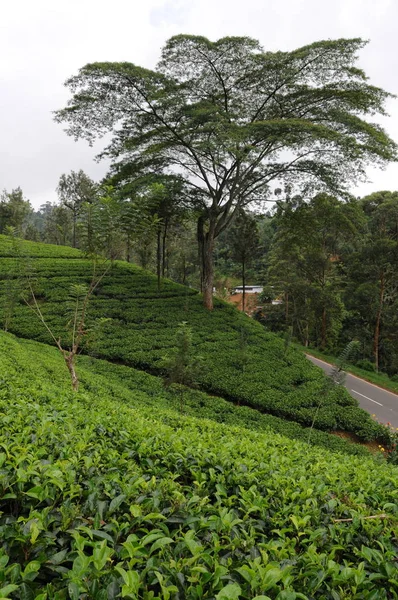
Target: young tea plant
x=76, y=327
x=182, y=365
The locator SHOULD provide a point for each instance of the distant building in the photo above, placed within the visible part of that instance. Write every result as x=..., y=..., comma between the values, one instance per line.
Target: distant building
x=249, y=289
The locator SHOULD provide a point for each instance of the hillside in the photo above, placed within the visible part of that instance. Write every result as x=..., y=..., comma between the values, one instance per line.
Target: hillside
x=242, y=362
x=105, y=494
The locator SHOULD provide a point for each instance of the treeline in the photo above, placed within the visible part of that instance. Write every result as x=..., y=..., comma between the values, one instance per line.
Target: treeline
x=332, y=265
x=329, y=267
x=153, y=225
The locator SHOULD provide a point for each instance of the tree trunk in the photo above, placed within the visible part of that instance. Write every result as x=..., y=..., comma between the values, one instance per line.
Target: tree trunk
x=164, y=240
x=70, y=363
x=184, y=270
x=323, y=331
x=128, y=248
x=167, y=263
x=158, y=256
x=376, y=339
x=74, y=228
x=200, y=234
x=208, y=273
x=287, y=307
x=89, y=231
x=243, y=284
x=206, y=247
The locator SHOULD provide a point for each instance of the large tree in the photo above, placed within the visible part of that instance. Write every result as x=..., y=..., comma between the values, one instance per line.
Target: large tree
x=305, y=261
x=15, y=211
x=231, y=119
x=74, y=190
x=372, y=293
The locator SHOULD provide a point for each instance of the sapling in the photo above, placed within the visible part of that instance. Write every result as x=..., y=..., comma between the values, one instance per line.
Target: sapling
x=182, y=365
x=336, y=377
x=287, y=340
x=243, y=357
x=77, y=307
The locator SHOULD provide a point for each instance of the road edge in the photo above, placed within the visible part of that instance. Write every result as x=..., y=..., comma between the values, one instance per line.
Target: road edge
x=381, y=387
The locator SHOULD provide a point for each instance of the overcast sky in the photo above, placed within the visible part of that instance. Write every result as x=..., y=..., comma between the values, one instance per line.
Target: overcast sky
x=42, y=42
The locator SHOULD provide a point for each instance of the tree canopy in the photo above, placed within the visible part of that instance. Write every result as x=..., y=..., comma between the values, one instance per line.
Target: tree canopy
x=231, y=119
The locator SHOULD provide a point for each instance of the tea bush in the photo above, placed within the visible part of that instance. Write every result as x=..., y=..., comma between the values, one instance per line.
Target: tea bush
x=103, y=498
x=141, y=332
x=37, y=249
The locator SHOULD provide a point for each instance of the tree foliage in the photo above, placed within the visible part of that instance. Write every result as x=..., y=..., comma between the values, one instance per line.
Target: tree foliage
x=305, y=260
x=75, y=190
x=15, y=211
x=245, y=244
x=232, y=118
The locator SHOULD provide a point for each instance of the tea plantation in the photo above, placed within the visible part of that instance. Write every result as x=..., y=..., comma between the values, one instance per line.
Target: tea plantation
x=140, y=332
x=109, y=492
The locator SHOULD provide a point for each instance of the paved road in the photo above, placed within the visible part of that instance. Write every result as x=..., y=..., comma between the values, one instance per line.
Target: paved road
x=375, y=400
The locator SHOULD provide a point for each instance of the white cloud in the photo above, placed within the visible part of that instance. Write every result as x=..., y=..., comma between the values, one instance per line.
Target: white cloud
x=43, y=42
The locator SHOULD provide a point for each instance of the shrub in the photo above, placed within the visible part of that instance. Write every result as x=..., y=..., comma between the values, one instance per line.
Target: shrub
x=366, y=365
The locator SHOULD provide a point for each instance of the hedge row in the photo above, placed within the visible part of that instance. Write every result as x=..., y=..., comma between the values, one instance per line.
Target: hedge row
x=37, y=249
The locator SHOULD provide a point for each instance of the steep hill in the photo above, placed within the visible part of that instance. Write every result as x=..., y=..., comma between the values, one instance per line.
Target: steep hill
x=104, y=494
x=242, y=362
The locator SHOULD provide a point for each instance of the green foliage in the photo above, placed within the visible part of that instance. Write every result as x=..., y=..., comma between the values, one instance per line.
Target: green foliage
x=333, y=266
x=244, y=241
x=15, y=211
x=230, y=118
x=198, y=404
x=243, y=357
x=348, y=354
x=140, y=331
x=371, y=295
x=36, y=250
x=336, y=378
x=13, y=284
x=102, y=495
x=75, y=190
x=366, y=365
x=304, y=264
x=288, y=339
x=182, y=365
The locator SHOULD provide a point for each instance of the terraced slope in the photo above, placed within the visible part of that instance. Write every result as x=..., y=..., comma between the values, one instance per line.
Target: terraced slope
x=141, y=331
x=104, y=496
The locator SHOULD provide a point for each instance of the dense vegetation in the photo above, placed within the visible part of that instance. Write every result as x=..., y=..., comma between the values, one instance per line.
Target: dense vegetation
x=104, y=494
x=231, y=119
x=335, y=266
x=140, y=332
x=331, y=265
